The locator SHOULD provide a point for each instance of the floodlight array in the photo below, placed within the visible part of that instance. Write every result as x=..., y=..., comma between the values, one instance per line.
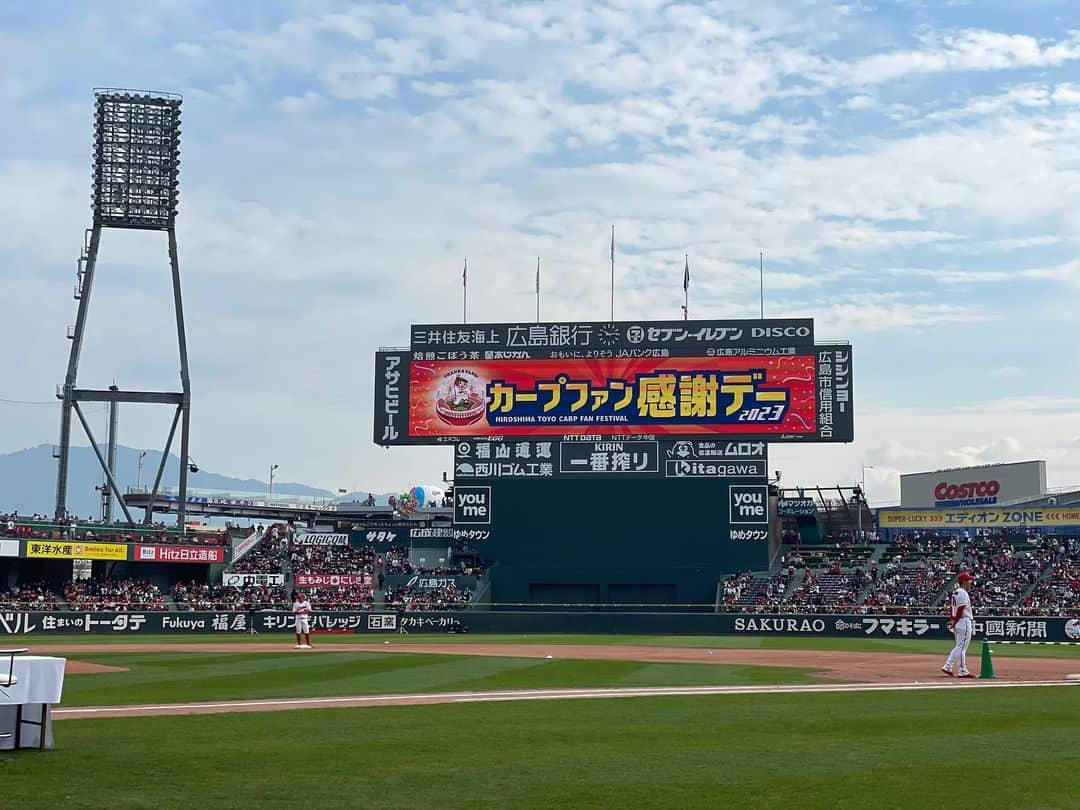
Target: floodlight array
x=136, y=159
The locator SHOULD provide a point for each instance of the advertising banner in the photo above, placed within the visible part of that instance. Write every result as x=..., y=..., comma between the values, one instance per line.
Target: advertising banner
x=619, y=339
x=332, y=580
x=391, y=397
x=20, y=623
x=245, y=545
x=232, y=501
x=407, y=537
x=1000, y=628
x=1056, y=629
x=76, y=551
x=986, y=518
x=431, y=582
x=835, y=407
x=252, y=580
x=769, y=397
x=322, y=539
x=9, y=547
x=796, y=507
x=640, y=457
x=964, y=487
x=180, y=554
x=472, y=505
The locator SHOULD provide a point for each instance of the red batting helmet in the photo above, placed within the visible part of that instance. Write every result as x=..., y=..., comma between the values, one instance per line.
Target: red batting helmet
x=963, y=576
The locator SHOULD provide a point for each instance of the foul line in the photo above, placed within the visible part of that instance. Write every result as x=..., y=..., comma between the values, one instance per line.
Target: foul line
x=361, y=701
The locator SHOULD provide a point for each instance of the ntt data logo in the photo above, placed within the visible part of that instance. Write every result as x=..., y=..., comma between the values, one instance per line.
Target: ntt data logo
x=973, y=493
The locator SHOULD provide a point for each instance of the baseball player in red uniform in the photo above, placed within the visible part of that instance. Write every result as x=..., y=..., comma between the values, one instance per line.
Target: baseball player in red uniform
x=301, y=609
x=960, y=621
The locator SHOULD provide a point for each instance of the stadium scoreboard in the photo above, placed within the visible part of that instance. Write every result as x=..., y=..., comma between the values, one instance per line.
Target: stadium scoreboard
x=764, y=380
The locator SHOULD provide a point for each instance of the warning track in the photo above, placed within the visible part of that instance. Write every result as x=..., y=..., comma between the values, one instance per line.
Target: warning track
x=369, y=701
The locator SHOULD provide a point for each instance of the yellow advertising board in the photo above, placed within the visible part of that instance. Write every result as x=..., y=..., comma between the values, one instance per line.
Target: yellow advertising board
x=76, y=551
x=987, y=517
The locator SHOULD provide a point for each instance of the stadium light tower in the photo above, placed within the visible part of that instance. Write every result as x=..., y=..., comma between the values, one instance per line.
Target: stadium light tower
x=135, y=186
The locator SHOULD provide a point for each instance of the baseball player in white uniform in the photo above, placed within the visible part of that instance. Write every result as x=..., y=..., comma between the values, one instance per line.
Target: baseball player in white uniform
x=301, y=609
x=960, y=620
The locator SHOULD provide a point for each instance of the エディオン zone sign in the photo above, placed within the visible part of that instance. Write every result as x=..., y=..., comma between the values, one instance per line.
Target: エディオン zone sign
x=986, y=517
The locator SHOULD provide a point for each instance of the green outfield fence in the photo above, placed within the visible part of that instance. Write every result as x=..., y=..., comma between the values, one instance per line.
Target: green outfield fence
x=1010, y=629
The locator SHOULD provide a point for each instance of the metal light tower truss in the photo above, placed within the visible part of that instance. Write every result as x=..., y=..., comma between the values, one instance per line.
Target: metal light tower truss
x=135, y=186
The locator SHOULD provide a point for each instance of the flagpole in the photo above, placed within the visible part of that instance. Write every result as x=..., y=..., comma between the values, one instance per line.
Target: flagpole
x=761, y=277
x=686, y=289
x=613, y=273
x=465, y=292
x=538, y=289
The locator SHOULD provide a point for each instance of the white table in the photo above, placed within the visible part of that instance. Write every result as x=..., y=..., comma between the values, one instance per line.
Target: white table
x=24, y=707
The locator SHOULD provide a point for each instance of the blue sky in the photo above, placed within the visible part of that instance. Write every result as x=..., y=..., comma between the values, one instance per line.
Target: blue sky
x=912, y=171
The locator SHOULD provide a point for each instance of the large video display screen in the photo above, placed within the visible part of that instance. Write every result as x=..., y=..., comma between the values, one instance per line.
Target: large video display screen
x=804, y=396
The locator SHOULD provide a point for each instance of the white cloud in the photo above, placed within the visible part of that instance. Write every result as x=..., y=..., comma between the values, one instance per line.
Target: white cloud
x=438, y=89
x=356, y=80
x=859, y=102
x=970, y=50
x=305, y=103
x=869, y=312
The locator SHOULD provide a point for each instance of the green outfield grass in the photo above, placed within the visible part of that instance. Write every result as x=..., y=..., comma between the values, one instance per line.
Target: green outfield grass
x=186, y=677
x=170, y=677
x=995, y=748
x=896, y=645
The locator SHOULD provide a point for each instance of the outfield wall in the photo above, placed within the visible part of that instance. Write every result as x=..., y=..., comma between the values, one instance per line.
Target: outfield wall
x=1000, y=628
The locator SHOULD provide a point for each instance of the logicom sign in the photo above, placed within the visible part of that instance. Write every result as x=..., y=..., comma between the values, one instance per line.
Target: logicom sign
x=972, y=493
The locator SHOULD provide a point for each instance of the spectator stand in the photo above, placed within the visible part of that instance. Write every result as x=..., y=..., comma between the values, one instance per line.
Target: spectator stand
x=87, y=531
x=1017, y=572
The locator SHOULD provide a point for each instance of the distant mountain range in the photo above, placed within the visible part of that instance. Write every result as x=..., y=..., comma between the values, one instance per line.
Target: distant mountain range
x=28, y=480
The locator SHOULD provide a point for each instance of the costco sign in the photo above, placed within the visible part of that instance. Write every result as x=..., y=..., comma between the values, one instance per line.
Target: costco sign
x=990, y=485
x=972, y=493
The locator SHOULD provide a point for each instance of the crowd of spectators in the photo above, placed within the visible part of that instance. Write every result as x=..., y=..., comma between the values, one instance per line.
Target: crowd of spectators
x=200, y=596
x=107, y=594
x=30, y=596
x=268, y=556
x=1015, y=571
x=309, y=559
x=759, y=592
x=1003, y=573
x=1057, y=593
x=443, y=598
x=94, y=531
x=834, y=587
x=899, y=588
x=396, y=561
x=348, y=597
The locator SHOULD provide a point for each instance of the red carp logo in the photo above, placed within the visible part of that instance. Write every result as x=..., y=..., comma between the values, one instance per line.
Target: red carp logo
x=973, y=493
